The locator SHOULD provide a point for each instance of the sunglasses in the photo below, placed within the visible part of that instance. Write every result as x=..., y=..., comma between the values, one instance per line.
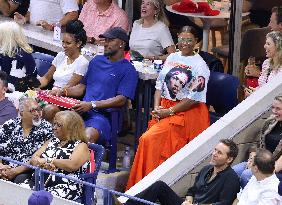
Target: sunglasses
x=185, y=40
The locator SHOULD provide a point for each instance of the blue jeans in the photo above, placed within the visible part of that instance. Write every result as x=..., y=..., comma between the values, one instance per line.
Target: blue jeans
x=243, y=173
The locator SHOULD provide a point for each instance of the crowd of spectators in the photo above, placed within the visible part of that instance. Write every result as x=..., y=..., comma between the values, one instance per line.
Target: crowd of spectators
x=109, y=81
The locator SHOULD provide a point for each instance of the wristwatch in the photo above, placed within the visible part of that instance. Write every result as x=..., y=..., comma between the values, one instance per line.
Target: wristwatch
x=93, y=103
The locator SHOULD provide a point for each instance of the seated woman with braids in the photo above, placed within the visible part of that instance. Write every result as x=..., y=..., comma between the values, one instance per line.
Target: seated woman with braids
x=180, y=113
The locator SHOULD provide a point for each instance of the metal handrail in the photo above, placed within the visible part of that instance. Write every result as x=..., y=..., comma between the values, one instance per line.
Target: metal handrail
x=39, y=177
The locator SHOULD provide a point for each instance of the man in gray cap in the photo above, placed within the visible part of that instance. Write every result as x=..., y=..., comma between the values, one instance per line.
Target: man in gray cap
x=109, y=82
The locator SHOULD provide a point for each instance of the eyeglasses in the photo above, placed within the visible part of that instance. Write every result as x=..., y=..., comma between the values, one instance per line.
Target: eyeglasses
x=56, y=124
x=34, y=110
x=185, y=40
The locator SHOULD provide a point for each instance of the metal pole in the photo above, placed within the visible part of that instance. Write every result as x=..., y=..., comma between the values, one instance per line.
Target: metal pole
x=237, y=38
x=129, y=10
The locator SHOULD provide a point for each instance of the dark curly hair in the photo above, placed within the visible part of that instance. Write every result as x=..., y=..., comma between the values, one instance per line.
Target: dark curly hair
x=75, y=27
x=4, y=78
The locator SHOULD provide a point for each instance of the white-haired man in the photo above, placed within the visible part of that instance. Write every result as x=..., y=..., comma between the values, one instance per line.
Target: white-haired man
x=21, y=137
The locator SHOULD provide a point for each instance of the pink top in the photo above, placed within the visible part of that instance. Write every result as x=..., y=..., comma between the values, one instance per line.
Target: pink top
x=96, y=23
x=265, y=76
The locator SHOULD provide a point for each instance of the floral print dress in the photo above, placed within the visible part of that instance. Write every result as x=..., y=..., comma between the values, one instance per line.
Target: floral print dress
x=63, y=187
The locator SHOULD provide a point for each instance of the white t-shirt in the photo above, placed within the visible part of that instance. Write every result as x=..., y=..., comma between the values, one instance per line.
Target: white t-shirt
x=184, y=77
x=150, y=41
x=51, y=11
x=64, y=71
x=264, y=192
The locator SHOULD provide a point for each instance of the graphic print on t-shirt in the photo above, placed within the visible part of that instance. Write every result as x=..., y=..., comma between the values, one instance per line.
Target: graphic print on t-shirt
x=176, y=79
x=183, y=77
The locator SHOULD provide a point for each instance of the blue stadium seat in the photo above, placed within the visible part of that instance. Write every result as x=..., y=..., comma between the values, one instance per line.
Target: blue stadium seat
x=43, y=62
x=115, y=117
x=222, y=94
x=88, y=192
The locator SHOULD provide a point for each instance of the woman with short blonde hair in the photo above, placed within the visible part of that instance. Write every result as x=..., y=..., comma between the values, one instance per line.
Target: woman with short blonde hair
x=72, y=125
x=67, y=153
x=150, y=34
x=160, y=14
x=15, y=54
x=12, y=39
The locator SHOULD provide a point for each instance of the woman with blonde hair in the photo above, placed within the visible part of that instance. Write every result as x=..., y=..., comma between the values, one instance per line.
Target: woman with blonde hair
x=271, y=66
x=150, y=35
x=15, y=53
x=67, y=153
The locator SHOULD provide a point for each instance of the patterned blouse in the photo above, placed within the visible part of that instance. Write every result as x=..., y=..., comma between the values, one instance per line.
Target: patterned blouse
x=15, y=145
x=58, y=186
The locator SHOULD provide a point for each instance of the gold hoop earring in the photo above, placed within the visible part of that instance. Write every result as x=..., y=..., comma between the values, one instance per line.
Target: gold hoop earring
x=196, y=51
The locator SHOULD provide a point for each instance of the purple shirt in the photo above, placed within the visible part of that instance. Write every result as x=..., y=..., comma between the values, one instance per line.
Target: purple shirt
x=7, y=111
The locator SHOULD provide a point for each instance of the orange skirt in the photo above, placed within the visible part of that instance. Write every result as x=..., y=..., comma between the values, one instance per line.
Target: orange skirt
x=166, y=137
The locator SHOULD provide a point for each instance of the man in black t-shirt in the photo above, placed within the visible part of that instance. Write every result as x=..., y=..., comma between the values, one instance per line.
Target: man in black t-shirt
x=9, y=7
x=216, y=183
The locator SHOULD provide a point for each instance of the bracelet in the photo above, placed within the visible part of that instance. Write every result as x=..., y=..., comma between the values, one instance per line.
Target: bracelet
x=49, y=160
x=171, y=111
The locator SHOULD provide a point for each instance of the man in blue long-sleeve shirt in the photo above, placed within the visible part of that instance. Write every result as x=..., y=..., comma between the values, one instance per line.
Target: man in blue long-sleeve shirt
x=215, y=184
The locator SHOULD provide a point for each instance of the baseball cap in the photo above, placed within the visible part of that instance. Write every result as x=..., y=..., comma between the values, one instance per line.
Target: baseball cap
x=41, y=197
x=116, y=32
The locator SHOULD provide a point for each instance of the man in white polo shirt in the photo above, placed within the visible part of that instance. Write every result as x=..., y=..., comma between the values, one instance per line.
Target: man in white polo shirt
x=262, y=189
x=48, y=12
